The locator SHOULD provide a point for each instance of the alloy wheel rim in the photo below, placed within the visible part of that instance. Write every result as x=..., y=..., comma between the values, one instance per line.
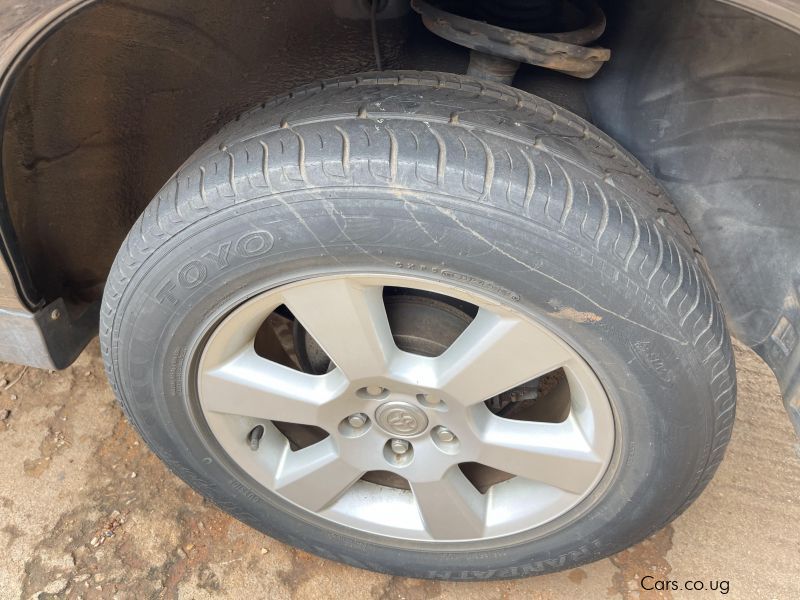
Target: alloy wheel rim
x=418, y=417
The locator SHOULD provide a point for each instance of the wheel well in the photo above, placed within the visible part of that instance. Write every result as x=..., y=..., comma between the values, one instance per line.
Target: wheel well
x=120, y=94
x=123, y=91
x=115, y=99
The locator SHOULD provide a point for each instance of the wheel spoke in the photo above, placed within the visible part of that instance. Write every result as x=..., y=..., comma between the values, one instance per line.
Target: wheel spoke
x=451, y=508
x=316, y=476
x=252, y=386
x=553, y=453
x=495, y=354
x=348, y=320
x=553, y=465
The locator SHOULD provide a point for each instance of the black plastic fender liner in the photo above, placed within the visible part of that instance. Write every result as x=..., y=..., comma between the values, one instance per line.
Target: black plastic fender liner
x=23, y=29
x=706, y=96
x=31, y=332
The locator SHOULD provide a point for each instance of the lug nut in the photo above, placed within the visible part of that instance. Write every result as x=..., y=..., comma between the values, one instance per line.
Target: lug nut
x=374, y=390
x=357, y=421
x=445, y=435
x=399, y=446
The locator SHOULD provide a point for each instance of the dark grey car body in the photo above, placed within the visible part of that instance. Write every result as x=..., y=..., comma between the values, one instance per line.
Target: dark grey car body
x=101, y=100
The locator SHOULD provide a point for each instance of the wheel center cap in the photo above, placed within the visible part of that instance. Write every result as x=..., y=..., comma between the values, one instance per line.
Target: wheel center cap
x=401, y=418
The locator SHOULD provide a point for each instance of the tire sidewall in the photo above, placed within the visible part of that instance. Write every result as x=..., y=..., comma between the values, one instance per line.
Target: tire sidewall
x=654, y=380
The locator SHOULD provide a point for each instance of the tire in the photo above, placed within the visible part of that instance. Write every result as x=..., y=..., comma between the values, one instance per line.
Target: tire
x=443, y=178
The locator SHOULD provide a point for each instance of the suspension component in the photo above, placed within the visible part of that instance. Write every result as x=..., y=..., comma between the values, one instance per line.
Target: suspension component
x=496, y=52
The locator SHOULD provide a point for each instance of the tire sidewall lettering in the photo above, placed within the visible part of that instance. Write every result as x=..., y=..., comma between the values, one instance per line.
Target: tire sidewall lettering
x=195, y=272
x=254, y=244
x=192, y=274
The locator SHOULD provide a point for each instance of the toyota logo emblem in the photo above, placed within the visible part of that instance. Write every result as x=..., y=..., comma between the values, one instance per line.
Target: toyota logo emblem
x=401, y=418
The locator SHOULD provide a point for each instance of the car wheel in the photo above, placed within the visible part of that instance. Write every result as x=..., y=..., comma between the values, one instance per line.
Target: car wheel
x=424, y=325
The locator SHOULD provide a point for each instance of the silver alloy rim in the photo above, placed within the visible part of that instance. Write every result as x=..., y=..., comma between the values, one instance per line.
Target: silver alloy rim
x=385, y=409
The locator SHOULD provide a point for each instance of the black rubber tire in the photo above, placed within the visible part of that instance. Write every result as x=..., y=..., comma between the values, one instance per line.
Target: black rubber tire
x=441, y=176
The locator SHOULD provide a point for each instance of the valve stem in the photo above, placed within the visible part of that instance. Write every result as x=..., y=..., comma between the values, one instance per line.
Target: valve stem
x=254, y=437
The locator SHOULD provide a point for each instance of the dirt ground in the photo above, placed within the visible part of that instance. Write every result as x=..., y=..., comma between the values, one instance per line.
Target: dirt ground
x=86, y=511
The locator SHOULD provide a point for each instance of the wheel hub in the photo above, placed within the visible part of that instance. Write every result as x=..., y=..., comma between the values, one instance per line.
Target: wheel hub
x=401, y=419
